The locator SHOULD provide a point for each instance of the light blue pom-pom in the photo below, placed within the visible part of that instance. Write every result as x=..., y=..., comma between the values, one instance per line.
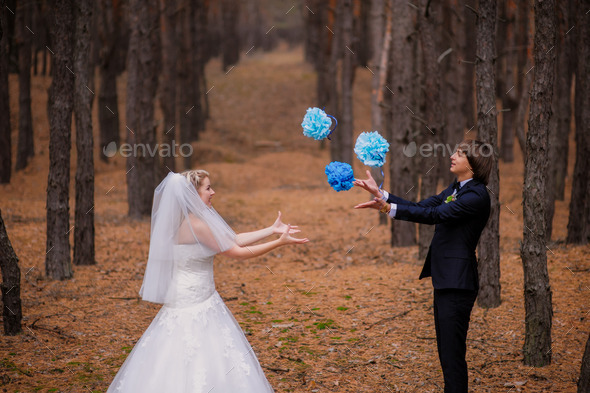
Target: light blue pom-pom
x=316, y=124
x=340, y=175
x=371, y=148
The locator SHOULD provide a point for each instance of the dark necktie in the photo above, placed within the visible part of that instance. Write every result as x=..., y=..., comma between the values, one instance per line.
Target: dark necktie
x=456, y=185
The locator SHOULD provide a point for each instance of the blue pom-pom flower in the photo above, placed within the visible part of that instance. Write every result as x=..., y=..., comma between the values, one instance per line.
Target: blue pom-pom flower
x=371, y=148
x=316, y=124
x=340, y=175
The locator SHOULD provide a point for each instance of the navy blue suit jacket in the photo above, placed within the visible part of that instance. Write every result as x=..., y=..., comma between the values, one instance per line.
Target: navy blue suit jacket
x=451, y=260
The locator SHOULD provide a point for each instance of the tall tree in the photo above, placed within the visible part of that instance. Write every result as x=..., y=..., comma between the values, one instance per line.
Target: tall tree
x=468, y=104
x=26, y=148
x=142, y=82
x=561, y=119
x=451, y=49
x=112, y=37
x=230, y=40
x=344, y=135
x=578, y=226
x=487, y=128
x=5, y=139
x=507, y=60
x=83, y=68
x=379, y=27
x=61, y=101
x=433, y=127
x=537, y=291
x=12, y=310
x=402, y=169
x=168, y=87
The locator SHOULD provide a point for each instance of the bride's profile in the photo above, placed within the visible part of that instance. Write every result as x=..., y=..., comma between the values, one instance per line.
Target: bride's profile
x=194, y=344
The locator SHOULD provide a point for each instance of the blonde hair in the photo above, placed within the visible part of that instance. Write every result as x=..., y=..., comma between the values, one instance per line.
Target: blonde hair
x=195, y=177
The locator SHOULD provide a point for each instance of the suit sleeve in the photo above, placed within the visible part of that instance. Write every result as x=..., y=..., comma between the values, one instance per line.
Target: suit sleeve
x=470, y=204
x=432, y=201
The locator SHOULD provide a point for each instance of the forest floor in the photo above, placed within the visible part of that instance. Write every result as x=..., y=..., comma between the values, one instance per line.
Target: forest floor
x=343, y=313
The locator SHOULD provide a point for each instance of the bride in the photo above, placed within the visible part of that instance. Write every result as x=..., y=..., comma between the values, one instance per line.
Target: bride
x=194, y=344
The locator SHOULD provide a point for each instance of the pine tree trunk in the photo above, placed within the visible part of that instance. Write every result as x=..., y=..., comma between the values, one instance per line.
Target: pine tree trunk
x=347, y=78
x=109, y=31
x=168, y=86
x=560, y=120
x=537, y=290
x=468, y=104
x=61, y=101
x=142, y=81
x=330, y=78
x=12, y=310
x=433, y=129
x=508, y=92
x=5, y=130
x=487, y=128
x=402, y=169
x=26, y=148
x=578, y=227
x=451, y=51
x=523, y=70
x=230, y=11
x=84, y=215
x=584, y=380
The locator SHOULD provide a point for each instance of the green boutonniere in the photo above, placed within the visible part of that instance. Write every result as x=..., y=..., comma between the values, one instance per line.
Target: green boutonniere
x=450, y=198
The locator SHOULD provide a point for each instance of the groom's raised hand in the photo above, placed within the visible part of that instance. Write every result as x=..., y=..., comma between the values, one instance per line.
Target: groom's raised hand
x=376, y=204
x=368, y=184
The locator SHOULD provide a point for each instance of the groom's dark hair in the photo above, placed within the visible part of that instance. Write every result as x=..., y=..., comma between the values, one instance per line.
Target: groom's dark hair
x=480, y=156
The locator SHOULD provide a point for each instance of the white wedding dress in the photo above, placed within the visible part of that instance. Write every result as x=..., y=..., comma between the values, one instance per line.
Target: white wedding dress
x=194, y=344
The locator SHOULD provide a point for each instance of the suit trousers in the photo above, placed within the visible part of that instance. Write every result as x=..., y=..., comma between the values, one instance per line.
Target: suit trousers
x=452, y=310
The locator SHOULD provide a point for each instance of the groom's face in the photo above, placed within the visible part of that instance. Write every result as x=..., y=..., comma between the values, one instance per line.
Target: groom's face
x=460, y=164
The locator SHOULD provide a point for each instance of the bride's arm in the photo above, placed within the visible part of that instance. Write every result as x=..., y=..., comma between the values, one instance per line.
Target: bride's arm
x=247, y=238
x=246, y=252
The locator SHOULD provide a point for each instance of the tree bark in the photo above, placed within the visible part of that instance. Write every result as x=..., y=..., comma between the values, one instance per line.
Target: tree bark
x=12, y=314
x=508, y=91
x=347, y=78
x=433, y=129
x=84, y=215
x=111, y=63
x=5, y=129
x=578, y=227
x=168, y=86
x=26, y=148
x=451, y=49
x=402, y=168
x=487, y=128
x=142, y=82
x=469, y=19
x=560, y=121
x=230, y=40
x=61, y=101
x=537, y=290
x=584, y=380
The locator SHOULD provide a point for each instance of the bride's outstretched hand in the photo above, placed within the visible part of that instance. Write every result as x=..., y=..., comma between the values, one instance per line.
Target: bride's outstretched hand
x=286, y=237
x=279, y=227
x=368, y=184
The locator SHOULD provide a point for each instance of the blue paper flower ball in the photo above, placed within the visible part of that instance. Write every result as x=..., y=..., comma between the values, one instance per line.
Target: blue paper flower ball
x=371, y=148
x=316, y=124
x=340, y=175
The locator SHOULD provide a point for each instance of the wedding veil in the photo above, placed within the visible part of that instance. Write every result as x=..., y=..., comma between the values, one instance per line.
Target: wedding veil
x=178, y=210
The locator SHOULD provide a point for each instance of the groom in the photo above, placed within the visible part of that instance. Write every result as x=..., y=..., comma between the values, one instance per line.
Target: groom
x=460, y=213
